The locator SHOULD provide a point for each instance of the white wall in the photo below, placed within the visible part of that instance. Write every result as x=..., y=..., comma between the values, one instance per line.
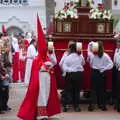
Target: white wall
x=114, y=7
x=59, y=4
x=26, y=14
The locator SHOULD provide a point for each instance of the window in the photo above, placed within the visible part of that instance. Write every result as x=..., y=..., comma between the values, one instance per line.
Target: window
x=14, y=2
x=115, y=2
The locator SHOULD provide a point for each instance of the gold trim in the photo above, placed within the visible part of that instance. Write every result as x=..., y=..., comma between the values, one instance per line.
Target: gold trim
x=82, y=50
x=42, y=111
x=67, y=26
x=98, y=31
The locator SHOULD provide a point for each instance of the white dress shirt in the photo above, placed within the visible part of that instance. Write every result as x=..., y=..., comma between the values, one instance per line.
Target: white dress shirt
x=101, y=63
x=73, y=63
x=65, y=54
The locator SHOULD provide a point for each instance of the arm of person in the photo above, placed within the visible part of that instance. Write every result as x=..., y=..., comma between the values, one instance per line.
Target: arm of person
x=62, y=59
x=65, y=66
x=53, y=58
x=108, y=63
x=90, y=53
x=83, y=60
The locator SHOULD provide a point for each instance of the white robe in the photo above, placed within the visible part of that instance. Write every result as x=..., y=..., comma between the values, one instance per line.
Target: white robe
x=31, y=53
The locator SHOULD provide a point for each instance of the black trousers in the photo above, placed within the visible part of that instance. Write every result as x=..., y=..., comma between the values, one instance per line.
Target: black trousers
x=118, y=88
x=98, y=88
x=114, y=83
x=1, y=93
x=5, y=97
x=73, y=87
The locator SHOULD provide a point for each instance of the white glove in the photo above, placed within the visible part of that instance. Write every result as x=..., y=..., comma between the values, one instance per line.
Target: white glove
x=64, y=74
x=119, y=69
x=102, y=70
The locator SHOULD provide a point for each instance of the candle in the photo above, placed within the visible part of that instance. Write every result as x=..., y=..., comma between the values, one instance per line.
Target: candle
x=50, y=45
x=79, y=46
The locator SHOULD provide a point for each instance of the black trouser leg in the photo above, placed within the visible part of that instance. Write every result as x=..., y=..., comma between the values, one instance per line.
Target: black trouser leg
x=76, y=81
x=67, y=93
x=5, y=97
x=98, y=88
x=118, y=91
x=1, y=93
x=101, y=92
x=76, y=97
x=114, y=84
x=94, y=87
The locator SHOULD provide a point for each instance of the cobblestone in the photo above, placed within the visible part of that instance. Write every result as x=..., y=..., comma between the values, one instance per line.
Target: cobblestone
x=17, y=92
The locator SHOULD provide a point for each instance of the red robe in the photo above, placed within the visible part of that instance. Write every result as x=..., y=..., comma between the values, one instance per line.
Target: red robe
x=28, y=109
x=15, y=74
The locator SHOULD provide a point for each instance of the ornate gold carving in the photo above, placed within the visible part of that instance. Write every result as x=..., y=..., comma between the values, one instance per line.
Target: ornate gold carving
x=67, y=27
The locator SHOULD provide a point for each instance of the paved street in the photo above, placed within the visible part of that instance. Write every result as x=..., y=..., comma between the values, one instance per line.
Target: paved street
x=17, y=92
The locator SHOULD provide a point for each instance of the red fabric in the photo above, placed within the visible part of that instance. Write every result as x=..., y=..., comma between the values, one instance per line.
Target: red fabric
x=28, y=109
x=95, y=53
x=26, y=44
x=3, y=28
x=15, y=74
x=42, y=46
x=22, y=64
x=53, y=107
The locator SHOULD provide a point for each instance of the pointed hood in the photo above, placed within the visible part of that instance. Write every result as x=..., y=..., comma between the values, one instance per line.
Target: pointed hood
x=3, y=28
x=42, y=45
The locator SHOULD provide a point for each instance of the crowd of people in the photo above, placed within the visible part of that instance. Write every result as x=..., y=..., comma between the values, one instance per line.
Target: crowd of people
x=18, y=63
x=13, y=57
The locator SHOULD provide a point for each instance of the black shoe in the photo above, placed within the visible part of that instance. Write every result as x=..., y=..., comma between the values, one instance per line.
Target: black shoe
x=91, y=108
x=115, y=107
x=65, y=109
x=1, y=112
x=7, y=109
x=118, y=108
x=44, y=119
x=104, y=108
x=77, y=109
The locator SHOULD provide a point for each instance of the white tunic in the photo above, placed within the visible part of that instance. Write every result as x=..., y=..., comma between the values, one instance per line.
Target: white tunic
x=73, y=63
x=44, y=84
x=31, y=53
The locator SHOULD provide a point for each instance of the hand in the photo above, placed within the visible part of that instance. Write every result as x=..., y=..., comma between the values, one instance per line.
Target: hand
x=7, y=75
x=102, y=70
x=119, y=69
x=3, y=77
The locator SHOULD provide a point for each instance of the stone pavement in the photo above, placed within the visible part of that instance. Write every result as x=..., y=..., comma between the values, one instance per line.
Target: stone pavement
x=18, y=90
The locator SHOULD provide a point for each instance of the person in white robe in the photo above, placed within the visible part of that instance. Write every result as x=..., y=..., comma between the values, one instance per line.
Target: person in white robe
x=31, y=53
